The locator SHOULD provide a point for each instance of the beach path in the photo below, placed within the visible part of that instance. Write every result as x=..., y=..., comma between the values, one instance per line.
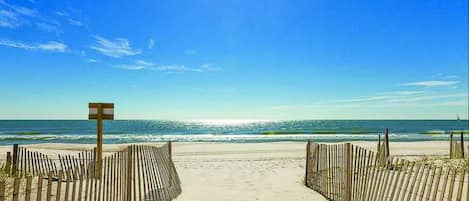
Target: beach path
x=242, y=172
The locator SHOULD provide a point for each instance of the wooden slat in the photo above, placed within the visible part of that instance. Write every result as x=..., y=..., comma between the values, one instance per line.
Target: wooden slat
x=114, y=181
x=28, y=188
x=461, y=184
x=105, y=178
x=2, y=190
x=74, y=184
x=432, y=177
x=16, y=186
x=59, y=186
x=374, y=176
x=67, y=185
x=87, y=181
x=414, y=188
x=451, y=185
x=39, y=188
x=398, y=181
x=391, y=172
x=445, y=182
x=139, y=178
x=80, y=184
x=49, y=186
x=424, y=184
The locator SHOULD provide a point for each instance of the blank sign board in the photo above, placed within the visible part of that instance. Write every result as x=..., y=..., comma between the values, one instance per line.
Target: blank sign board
x=107, y=110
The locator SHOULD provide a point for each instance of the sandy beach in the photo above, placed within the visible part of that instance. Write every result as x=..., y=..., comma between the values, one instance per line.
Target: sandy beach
x=245, y=171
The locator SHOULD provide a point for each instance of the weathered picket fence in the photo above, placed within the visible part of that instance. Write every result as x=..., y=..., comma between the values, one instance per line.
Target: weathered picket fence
x=345, y=172
x=138, y=172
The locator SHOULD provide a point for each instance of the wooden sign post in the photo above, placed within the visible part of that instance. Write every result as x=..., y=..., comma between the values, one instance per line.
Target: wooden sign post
x=100, y=112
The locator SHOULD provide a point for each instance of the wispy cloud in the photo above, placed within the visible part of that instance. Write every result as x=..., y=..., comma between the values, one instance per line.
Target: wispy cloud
x=190, y=52
x=432, y=83
x=151, y=43
x=137, y=65
x=9, y=19
x=379, y=102
x=70, y=18
x=182, y=68
x=116, y=48
x=75, y=22
x=209, y=67
x=51, y=46
x=20, y=9
x=91, y=61
x=62, y=13
x=173, y=68
x=13, y=16
x=48, y=27
x=401, y=97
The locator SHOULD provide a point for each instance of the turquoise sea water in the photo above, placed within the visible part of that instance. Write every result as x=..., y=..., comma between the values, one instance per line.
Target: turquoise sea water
x=124, y=131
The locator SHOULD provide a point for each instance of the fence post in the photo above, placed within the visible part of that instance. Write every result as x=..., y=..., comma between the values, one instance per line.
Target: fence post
x=379, y=143
x=8, y=163
x=386, y=141
x=170, y=150
x=462, y=144
x=451, y=145
x=129, y=172
x=95, y=170
x=15, y=159
x=348, y=172
x=308, y=150
x=170, y=153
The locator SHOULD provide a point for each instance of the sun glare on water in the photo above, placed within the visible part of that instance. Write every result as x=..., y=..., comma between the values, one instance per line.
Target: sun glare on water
x=228, y=122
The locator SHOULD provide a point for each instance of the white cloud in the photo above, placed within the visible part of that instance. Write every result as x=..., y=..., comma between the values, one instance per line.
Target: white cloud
x=91, y=61
x=377, y=102
x=20, y=9
x=137, y=65
x=12, y=16
x=9, y=19
x=71, y=17
x=75, y=22
x=402, y=92
x=182, y=68
x=144, y=63
x=51, y=46
x=62, y=13
x=174, y=68
x=432, y=83
x=48, y=27
x=114, y=48
x=151, y=43
x=190, y=52
x=209, y=67
x=401, y=97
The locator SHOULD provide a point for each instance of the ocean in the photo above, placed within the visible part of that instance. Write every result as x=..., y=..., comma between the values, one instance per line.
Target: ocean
x=130, y=131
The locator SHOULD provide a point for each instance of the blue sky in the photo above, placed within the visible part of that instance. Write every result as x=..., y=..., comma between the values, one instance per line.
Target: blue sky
x=240, y=59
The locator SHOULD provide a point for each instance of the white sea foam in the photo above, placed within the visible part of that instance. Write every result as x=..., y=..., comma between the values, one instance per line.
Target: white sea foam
x=125, y=138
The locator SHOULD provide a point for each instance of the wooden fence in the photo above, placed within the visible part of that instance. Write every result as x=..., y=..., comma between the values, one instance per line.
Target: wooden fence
x=345, y=172
x=25, y=162
x=456, y=148
x=138, y=172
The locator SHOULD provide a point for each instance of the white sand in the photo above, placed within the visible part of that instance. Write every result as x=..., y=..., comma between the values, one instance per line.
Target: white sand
x=246, y=171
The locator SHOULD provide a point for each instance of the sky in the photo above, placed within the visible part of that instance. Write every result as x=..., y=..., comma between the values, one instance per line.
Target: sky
x=235, y=59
